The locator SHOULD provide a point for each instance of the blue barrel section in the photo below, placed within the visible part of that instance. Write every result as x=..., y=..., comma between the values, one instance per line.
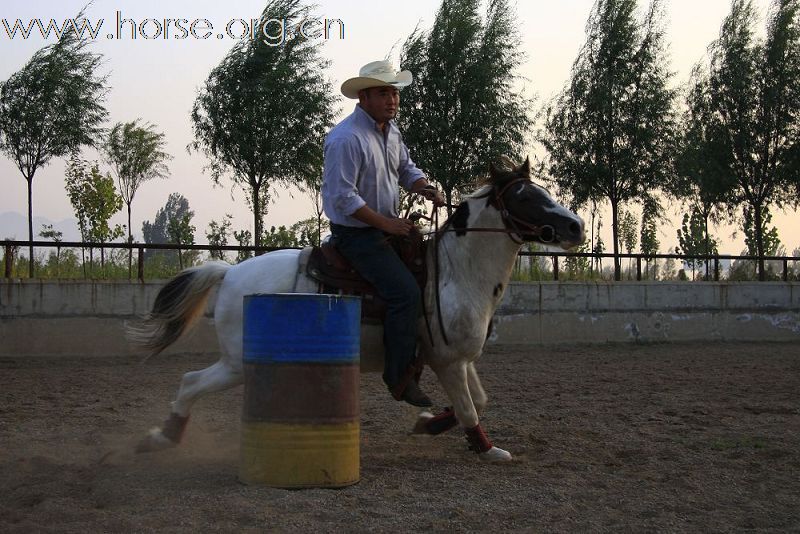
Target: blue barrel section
x=300, y=419
x=301, y=328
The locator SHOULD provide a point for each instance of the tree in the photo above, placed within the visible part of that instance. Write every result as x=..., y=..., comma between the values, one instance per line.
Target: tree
x=769, y=236
x=463, y=110
x=263, y=112
x=308, y=231
x=50, y=108
x=648, y=239
x=172, y=224
x=48, y=232
x=627, y=232
x=599, y=247
x=701, y=182
x=280, y=237
x=609, y=134
x=243, y=238
x=136, y=154
x=693, y=240
x=95, y=200
x=217, y=235
x=180, y=229
x=753, y=92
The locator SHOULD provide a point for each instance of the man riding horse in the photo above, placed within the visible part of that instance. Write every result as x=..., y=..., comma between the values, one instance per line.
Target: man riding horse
x=365, y=163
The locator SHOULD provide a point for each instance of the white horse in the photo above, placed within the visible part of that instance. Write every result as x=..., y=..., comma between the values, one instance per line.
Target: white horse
x=473, y=253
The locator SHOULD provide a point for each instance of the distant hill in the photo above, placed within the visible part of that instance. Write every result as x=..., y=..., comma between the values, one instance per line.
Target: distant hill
x=14, y=225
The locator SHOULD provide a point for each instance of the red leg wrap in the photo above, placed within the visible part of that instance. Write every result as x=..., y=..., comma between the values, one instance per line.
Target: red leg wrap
x=442, y=422
x=174, y=426
x=477, y=439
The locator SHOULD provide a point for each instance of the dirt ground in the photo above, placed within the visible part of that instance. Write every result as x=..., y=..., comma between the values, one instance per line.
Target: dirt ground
x=691, y=437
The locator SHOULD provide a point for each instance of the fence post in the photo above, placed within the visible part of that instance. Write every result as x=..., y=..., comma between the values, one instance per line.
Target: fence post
x=716, y=269
x=140, y=264
x=785, y=270
x=555, y=268
x=9, y=260
x=638, y=268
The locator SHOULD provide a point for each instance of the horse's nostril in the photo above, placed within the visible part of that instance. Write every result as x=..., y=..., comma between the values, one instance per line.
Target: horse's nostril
x=575, y=228
x=548, y=234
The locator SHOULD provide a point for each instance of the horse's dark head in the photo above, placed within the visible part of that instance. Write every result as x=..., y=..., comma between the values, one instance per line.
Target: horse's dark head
x=529, y=210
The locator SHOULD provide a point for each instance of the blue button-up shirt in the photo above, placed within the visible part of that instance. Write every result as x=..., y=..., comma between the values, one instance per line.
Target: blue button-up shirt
x=364, y=166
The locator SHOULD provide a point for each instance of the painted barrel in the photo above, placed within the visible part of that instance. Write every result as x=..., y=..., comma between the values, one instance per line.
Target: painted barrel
x=300, y=420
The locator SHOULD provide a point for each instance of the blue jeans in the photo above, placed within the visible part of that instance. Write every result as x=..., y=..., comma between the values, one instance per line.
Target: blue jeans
x=368, y=250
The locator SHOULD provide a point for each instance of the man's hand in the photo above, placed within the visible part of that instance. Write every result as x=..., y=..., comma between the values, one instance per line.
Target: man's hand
x=397, y=226
x=429, y=192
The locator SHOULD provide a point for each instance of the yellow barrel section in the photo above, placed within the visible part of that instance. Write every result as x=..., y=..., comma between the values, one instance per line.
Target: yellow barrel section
x=300, y=419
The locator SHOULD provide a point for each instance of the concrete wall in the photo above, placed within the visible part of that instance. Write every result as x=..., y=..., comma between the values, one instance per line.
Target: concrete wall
x=81, y=318
x=552, y=313
x=88, y=318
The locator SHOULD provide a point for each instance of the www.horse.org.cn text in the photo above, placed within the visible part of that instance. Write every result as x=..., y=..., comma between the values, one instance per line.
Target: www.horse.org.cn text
x=273, y=32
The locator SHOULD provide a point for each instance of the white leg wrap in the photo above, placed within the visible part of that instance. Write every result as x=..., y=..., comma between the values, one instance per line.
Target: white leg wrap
x=155, y=441
x=495, y=454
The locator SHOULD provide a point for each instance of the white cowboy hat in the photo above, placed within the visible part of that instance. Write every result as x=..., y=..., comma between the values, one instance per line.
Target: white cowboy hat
x=376, y=74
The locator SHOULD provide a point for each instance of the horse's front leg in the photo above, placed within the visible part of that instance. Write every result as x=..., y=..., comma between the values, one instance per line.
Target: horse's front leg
x=476, y=391
x=454, y=379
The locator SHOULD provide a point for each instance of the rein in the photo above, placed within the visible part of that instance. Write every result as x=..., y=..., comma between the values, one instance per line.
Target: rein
x=512, y=229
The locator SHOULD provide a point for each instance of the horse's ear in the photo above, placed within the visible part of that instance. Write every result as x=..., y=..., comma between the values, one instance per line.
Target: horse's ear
x=526, y=167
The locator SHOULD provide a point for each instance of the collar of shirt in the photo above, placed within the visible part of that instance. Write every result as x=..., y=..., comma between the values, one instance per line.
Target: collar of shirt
x=365, y=120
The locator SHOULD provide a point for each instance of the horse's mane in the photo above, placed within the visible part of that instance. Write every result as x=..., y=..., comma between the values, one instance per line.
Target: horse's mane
x=503, y=164
x=484, y=184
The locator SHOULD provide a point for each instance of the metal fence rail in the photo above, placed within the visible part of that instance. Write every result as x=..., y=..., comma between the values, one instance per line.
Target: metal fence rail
x=557, y=258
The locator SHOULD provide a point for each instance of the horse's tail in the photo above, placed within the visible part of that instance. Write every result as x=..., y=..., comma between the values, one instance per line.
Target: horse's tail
x=178, y=305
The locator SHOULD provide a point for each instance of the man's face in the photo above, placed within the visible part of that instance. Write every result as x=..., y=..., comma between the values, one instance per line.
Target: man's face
x=380, y=103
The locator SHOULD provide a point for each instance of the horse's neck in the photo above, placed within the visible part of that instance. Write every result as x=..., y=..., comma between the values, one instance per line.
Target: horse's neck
x=478, y=263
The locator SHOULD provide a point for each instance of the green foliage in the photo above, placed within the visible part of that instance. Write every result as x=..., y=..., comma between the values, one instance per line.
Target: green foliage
x=50, y=108
x=243, y=239
x=577, y=268
x=610, y=133
x=308, y=231
x=217, y=235
x=627, y=231
x=769, y=236
x=94, y=199
x=648, y=238
x=136, y=154
x=752, y=90
x=463, y=109
x=701, y=180
x=280, y=237
x=47, y=232
x=263, y=112
x=172, y=224
x=694, y=240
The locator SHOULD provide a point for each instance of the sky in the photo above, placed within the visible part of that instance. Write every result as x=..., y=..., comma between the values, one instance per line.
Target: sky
x=156, y=80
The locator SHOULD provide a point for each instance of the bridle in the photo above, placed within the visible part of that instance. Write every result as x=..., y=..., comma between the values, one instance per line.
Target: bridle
x=516, y=228
x=545, y=232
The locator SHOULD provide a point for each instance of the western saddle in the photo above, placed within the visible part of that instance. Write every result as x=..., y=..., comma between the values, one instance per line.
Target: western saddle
x=335, y=274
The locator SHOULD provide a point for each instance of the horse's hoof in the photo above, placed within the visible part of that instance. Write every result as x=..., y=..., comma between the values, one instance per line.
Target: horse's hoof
x=422, y=420
x=155, y=441
x=495, y=454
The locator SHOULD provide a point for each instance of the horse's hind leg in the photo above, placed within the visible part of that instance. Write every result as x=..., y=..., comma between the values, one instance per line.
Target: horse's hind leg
x=454, y=379
x=194, y=385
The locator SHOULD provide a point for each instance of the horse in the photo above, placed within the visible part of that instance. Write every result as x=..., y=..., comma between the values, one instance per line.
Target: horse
x=472, y=256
